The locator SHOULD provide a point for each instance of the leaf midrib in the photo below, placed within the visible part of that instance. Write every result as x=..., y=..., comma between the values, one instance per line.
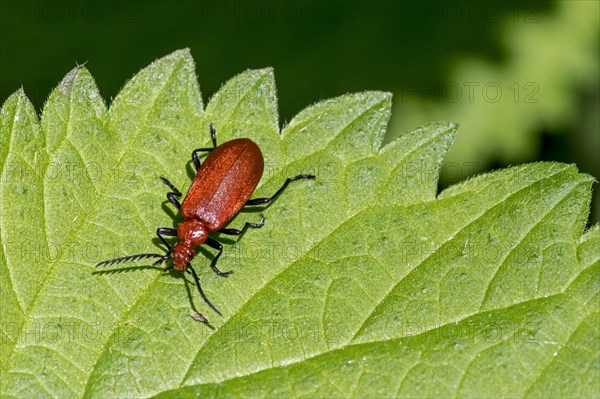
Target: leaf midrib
x=500, y=202
x=563, y=293
x=340, y=225
x=448, y=240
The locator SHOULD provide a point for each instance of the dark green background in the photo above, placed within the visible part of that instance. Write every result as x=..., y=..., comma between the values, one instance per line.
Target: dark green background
x=318, y=50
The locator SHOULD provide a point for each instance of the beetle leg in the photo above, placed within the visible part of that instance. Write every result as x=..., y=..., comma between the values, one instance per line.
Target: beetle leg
x=236, y=232
x=217, y=245
x=266, y=200
x=175, y=193
x=191, y=271
x=195, y=158
x=168, y=232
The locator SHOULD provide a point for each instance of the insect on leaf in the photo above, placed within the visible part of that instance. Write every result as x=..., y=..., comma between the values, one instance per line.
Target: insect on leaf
x=363, y=283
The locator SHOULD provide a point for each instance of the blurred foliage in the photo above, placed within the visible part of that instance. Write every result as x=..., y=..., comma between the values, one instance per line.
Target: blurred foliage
x=540, y=89
x=545, y=51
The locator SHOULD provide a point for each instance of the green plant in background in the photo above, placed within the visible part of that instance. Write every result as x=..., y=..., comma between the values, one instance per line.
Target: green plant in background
x=551, y=58
x=363, y=283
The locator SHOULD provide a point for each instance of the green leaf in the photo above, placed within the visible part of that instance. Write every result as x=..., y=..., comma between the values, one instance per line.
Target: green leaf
x=363, y=283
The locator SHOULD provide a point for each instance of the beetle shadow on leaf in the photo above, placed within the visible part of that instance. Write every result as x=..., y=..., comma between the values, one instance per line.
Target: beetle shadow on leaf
x=159, y=244
x=190, y=294
x=174, y=214
x=223, y=239
x=254, y=209
x=189, y=169
x=207, y=254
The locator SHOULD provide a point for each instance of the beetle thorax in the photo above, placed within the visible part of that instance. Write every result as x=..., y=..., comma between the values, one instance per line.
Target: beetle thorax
x=191, y=233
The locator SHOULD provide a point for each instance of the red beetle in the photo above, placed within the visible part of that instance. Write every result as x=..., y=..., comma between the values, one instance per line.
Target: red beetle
x=222, y=186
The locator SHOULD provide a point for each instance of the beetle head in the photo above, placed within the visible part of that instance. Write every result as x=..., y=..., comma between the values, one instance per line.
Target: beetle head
x=183, y=253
